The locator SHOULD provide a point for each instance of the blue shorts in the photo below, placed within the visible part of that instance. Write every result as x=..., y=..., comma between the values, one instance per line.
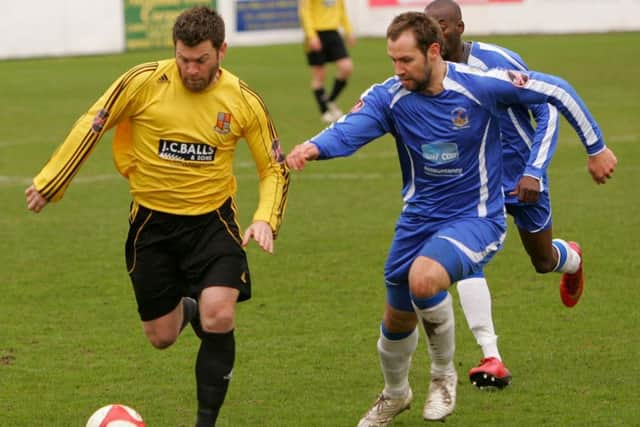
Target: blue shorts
x=462, y=247
x=532, y=217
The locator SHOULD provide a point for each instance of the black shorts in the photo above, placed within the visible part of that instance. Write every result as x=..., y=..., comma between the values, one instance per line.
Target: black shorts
x=333, y=48
x=170, y=256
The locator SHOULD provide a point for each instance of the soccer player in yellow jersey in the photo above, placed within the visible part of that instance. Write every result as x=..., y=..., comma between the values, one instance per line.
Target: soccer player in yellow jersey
x=178, y=124
x=322, y=21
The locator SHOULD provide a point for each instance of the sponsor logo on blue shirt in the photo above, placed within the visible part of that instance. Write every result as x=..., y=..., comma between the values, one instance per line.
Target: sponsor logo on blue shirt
x=437, y=154
x=440, y=153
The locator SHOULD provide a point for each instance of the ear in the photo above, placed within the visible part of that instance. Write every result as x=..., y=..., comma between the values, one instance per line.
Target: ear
x=434, y=50
x=222, y=51
x=461, y=26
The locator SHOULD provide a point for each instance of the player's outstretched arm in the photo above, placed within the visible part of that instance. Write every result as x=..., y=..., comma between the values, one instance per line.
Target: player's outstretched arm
x=602, y=165
x=261, y=232
x=301, y=154
x=35, y=201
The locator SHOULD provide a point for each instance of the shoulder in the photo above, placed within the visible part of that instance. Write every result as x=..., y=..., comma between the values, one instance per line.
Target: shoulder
x=460, y=72
x=472, y=82
x=470, y=76
x=494, y=56
x=238, y=94
x=383, y=93
x=143, y=72
x=384, y=96
x=228, y=79
x=143, y=75
x=243, y=90
x=229, y=86
x=386, y=89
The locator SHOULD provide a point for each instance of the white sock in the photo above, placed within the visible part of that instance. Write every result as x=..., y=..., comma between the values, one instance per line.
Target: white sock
x=571, y=257
x=395, y=361
x=475, y=300
x=439, y=326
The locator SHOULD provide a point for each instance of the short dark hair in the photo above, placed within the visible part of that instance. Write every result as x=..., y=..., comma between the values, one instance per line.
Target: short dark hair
x=198, y=24
x=451, y=5
x=425, y=29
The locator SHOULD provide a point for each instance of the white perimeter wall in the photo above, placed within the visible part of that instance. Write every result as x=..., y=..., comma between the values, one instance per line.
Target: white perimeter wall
x=529, y=16
x=60, y=27
x=78, y=27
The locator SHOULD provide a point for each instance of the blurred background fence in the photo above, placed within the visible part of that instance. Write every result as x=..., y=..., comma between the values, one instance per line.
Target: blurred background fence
x=84, y=27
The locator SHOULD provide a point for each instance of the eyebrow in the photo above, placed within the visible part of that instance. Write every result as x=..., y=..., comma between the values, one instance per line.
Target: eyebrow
x=199, y=58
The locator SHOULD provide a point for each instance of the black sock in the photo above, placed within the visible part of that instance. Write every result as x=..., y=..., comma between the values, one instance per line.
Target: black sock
x=214, y=366
x=320, y=99
x=338, y=86
x=189, y=310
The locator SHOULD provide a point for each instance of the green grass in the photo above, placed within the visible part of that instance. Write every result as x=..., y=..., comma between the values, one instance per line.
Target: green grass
x=70, y=338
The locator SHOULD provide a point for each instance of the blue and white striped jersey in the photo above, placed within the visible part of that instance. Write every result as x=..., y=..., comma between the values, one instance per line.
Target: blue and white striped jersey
x=449, y=144
x=526, y=150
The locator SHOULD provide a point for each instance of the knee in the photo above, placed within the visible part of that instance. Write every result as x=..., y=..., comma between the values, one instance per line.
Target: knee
x=220, y=321
x=161, y=339
x=421, y=284
x=161, y=332
x=345, y=70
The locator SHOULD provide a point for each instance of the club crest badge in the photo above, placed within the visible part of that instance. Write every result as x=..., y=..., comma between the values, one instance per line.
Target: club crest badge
x=517, y=78
x=223, y=123
x=99, y=121
x=276, y=151
x=357, y=107
x=460, y=117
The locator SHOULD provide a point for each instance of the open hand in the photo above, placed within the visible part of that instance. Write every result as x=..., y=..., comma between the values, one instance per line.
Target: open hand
x=261, y=232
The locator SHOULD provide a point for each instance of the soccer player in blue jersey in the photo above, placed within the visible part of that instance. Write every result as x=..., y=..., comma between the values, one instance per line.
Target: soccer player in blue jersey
x=527, y=152
x=444, y=118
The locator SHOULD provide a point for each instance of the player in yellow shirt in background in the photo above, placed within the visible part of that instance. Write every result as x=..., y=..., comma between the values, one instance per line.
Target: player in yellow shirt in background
x=178, y=124
x=322, y=21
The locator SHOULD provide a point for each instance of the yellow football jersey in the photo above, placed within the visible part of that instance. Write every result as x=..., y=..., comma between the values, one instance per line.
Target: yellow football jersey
x=323, y=15
x=174, y=146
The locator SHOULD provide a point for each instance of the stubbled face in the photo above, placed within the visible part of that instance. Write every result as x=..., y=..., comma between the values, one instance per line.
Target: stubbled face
x=409, y=63
x=451, y=25
x=199, y=64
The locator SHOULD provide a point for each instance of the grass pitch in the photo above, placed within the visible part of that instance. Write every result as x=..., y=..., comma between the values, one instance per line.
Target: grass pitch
x=71, y=342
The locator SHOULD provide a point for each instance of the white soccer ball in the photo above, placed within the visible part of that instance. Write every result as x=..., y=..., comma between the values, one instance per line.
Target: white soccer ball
x=115, y=415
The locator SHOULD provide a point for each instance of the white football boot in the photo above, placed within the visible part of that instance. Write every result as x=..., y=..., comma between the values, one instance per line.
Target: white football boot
x=441, y=398
x=327, y=117
x=336, y=112
x=384, y=410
